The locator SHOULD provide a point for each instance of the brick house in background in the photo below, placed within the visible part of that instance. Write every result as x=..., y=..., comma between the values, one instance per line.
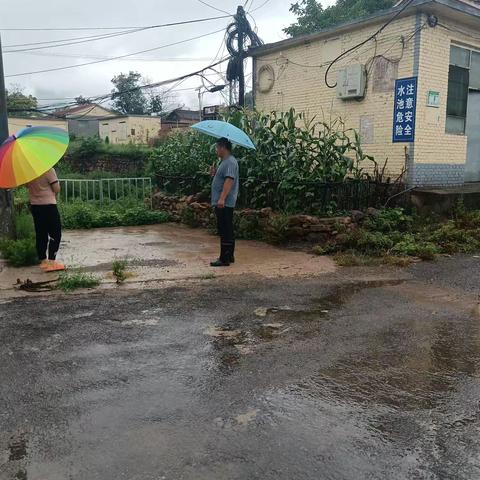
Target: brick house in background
x=179, y=118
x=433, y=45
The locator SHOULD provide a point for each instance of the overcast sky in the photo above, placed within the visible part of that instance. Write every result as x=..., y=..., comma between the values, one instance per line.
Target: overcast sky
x=156, y=66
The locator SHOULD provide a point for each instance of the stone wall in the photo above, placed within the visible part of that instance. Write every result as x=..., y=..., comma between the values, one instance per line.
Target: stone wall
x=107, y=163
x=258, y=224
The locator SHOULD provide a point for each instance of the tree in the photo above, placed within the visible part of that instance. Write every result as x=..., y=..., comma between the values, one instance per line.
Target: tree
x=19, y=104
x=127, y=97
x=312, y=17
x=81, y=100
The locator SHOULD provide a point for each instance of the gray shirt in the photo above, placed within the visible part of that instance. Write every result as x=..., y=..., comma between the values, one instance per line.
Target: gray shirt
x=228, y=168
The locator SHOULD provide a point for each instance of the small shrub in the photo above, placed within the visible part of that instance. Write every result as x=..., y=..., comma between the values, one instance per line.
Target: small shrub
x=368, y=243
x=389, y=220
x=19, y=253
x=119, y=268
x=319, y=250
x=69, y=281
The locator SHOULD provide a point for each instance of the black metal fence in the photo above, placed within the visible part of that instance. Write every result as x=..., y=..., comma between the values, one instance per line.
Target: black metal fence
x=301, y=197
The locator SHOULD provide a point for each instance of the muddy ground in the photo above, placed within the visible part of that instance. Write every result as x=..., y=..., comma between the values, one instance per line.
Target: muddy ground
x=357, y=374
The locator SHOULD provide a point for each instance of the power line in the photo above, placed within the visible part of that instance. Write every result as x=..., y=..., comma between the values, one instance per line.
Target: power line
x=107, y=96
x=113, y=58
x=214, y=8
x=63, y=29
x=106, y=35
x=94, y=38
x=103, y=57
x=91, y=39
x=261, y=6
x=371, y=37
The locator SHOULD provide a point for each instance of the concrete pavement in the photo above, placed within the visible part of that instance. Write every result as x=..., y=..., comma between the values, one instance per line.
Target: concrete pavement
x=352, y=375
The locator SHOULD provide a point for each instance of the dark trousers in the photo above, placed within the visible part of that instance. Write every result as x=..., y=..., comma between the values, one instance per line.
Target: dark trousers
x=225, y=230
x=48, y=230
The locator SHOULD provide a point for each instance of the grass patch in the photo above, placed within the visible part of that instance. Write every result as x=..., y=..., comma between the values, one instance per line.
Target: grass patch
x=70, y=281
x=345, y=259
x=119, y=268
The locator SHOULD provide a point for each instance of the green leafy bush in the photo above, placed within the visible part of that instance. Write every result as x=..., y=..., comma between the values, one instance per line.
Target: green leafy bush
x=82, y=215
x=390, y=220
x=19, y=253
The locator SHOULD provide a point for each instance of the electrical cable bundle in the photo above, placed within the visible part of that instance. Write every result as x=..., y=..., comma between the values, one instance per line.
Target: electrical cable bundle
x=236, y=48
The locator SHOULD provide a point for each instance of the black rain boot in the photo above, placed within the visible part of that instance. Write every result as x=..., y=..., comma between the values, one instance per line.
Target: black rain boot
x=232, y=253
x=224, y=260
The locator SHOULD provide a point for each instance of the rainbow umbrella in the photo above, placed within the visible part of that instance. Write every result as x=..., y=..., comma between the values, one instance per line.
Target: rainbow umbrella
x=30, y=153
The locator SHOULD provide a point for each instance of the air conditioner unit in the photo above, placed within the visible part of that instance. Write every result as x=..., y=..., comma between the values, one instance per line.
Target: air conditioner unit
x=351, y=82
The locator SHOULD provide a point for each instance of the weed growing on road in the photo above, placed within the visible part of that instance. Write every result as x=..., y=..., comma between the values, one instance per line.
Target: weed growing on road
x=120, y=270
x=208, y=276
x=70, y=281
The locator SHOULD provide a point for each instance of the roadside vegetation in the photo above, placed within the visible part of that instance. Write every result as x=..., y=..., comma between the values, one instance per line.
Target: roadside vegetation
x=119, y=270
x=73, y=280
x=296, y=158
x=394, y=237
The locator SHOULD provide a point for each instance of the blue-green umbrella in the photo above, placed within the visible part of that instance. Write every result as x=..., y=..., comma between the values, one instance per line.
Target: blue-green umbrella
x=219, y=129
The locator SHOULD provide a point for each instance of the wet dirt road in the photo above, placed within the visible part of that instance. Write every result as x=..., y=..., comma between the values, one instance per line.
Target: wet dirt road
x=354, y=375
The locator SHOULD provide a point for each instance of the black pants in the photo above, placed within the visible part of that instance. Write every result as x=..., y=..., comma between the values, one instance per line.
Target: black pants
x=225, y=230
x=48, y=230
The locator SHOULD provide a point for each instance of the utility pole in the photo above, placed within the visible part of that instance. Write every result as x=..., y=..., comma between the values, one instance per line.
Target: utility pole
x=241, y=43
x=200, y=103
x=7, y=224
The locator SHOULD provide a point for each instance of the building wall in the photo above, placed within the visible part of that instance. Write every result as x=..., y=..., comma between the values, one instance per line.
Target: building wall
x=137, y=130
x=89, y=111
x=16, y=124
x=436, y=157
x=304, y=87
x=439, y=157
x=83, y=128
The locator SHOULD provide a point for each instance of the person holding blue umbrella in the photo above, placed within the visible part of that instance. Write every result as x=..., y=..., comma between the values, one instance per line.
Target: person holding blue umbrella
x=225, y=186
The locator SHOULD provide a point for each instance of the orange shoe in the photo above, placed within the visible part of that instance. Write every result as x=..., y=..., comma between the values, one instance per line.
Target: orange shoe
x=44, y=264
x=55, y=267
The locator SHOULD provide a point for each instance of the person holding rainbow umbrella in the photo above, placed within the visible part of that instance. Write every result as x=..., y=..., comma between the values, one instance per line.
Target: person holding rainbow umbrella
x=27, y=158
